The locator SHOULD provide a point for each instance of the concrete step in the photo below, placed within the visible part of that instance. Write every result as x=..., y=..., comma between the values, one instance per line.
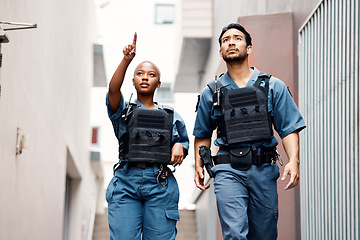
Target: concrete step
x=101, y=227
x=187, y=229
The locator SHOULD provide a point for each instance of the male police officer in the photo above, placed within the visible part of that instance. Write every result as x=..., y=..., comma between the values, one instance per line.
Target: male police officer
x=243, y=105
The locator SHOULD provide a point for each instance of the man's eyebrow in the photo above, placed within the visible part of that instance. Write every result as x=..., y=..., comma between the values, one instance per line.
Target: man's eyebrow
x=236, y=35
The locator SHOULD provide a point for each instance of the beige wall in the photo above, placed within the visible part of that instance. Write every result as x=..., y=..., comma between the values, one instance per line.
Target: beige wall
x=45, y=78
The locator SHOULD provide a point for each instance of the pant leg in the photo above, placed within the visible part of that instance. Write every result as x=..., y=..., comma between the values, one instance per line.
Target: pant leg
x=160, y=209
x=232, y=202
x=263, y=202
x=125, y=209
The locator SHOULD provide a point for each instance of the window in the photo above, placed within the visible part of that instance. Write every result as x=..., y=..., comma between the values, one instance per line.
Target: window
x=164, y=13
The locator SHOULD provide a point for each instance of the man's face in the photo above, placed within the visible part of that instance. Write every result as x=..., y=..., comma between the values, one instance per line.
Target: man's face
x=146, y=79
x=233, y=46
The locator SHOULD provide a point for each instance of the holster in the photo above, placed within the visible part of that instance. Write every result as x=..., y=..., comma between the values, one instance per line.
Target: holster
x=205, y=155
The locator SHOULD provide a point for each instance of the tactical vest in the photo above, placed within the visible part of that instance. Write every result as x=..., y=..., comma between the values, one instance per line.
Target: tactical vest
x=148, y=135
x=245, y=117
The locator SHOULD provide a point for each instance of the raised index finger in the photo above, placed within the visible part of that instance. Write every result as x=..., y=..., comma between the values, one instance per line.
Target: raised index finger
x=134, y=40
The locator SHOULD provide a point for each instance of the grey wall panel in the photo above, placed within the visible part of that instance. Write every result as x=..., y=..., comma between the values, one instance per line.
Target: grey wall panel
x=329, y=99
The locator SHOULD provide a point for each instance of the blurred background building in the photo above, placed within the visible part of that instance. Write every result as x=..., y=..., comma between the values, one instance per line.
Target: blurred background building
x=57, y=145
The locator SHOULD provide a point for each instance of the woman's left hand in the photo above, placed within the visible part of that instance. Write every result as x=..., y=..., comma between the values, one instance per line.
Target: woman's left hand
x=177, y=154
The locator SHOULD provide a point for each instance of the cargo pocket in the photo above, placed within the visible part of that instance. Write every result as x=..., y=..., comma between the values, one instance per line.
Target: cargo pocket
x=172, y=214
x=110, y=189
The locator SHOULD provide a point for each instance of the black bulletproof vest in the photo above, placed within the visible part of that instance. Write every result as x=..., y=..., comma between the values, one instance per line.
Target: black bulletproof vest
x=148, y=135
x=245, y=116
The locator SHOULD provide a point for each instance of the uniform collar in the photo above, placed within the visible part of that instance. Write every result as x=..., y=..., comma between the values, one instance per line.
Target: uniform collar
x=227, y=81
x=253, y=77
x=139, y=104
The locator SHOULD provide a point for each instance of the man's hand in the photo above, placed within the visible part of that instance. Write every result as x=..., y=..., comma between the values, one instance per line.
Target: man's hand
x=199, y=166
x=177, y=154
x=292, y=169
x=291, y=146
x=130, y=50
x=199, y=178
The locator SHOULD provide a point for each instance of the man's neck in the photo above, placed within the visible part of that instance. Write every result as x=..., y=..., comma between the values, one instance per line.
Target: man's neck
x=240, y=72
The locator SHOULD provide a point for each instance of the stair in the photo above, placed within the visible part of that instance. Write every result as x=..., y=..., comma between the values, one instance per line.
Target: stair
x=187, y=229
x=101, y=227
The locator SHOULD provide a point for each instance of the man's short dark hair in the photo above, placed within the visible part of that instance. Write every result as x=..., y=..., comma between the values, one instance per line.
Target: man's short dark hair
x=238, y=27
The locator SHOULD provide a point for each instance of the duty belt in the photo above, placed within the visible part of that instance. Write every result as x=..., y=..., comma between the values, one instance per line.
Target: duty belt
x=257, y=159
x=162, y=171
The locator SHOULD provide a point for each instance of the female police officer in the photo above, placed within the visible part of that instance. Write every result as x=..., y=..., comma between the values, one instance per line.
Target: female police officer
x=143, y=194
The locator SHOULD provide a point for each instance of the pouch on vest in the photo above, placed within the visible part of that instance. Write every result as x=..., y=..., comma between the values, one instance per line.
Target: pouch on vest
x=241, y=158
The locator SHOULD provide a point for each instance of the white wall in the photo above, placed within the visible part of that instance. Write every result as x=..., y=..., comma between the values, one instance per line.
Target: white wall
x=46, y=78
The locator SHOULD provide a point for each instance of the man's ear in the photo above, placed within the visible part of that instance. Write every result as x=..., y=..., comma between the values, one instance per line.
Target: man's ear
x=133, y=82
x=220, y=53
x=249, y=49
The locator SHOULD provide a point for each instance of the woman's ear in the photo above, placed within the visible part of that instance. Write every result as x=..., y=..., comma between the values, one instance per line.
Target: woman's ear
x=159, y=84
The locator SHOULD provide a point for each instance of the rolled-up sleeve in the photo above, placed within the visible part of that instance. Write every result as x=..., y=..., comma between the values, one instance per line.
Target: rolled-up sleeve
x=286, y=115
x=182, y=136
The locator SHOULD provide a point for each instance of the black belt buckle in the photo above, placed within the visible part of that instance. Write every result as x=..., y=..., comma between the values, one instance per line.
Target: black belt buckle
x=141, y=165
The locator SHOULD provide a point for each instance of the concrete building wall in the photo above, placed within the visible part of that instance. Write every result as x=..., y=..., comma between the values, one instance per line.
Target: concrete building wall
x=196, y=18
x=46, y=78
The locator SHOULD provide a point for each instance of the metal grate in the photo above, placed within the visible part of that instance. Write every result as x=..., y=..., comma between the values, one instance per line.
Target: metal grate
x=329, y=101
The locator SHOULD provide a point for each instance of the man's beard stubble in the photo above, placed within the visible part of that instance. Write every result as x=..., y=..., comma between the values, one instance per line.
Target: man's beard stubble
x=234, y=59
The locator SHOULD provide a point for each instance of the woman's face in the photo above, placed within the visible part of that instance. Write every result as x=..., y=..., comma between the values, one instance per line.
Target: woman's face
x=146, y=78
